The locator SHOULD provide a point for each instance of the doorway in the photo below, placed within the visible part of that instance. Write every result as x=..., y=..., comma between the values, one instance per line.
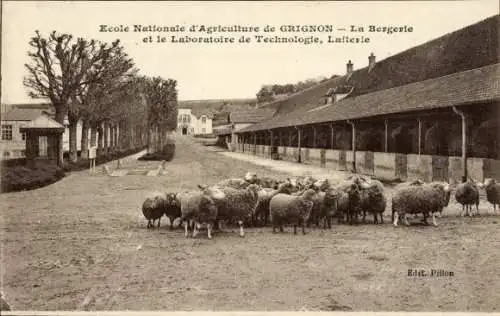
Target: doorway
x=184, y=131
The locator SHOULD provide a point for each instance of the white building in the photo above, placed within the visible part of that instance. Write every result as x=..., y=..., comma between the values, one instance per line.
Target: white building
x=15, y=116
x=194, y=121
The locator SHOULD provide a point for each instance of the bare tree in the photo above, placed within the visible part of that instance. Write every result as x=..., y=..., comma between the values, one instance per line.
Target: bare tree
x=160, y=96
x=59, y=66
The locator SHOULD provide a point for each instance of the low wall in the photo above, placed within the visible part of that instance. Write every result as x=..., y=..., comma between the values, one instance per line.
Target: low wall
x=387, y=166
x=419, y=167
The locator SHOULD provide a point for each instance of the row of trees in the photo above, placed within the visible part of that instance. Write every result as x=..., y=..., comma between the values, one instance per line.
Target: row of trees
x=97, y=83
x=268, y=93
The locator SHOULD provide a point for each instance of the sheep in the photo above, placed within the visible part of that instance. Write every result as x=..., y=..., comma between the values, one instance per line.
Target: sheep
x=265, y=182
x=198, y=208
x=447, y=193
x=325, y=207
x=265, y=196
x=467, y=194
x=172, y=208
x=492, y=189
x=416, y=198
x=349, y=202
x=153, y=208
x=373, y=199
x=234, y=183
x=291, y=209
x=234, y=204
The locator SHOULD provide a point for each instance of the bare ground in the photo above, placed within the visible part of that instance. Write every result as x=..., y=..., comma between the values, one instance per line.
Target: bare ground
x=82, y=243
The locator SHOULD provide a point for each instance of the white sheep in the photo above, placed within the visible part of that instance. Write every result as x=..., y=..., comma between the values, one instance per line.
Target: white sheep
x=417, y=198
x=492, y=189
x=290, y=209
x=237, y=205
x=197, y=208
x=467, y=194
x=265, y=196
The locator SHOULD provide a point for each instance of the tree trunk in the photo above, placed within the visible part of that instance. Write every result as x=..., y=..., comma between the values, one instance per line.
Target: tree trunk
x=100, y=143
x=111, y=137
x=106, y=137
x=73, y=148
x=93, y=135
x=60, y=114
x=150, y=140
x=85, y=140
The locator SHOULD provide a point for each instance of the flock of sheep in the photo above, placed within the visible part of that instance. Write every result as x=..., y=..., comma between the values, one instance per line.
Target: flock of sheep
x=302, y=201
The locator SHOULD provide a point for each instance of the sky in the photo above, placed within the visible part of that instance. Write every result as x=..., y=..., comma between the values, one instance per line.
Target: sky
x=223, y=71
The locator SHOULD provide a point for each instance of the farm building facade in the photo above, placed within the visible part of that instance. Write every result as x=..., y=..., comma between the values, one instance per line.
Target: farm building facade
x=194, y=122
x=430, y=112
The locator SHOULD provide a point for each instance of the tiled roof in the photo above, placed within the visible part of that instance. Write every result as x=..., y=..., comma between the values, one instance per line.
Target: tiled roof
x=222, y=129
x=23, y=114
x=251, y=116
x=43, y=122
x=472, y=47
x=467, y=87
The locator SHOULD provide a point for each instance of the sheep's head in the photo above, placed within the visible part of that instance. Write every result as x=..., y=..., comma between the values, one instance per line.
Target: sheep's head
x=285, y=187
x=322, y=184
x=353, y=189
x=207, y=204
x=172, y=199
x=254, y=188
x=251, y=177
x=489, y=182
x=308, y=194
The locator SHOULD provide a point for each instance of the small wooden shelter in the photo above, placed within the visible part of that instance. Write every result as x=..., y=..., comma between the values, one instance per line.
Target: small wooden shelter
x=43, y=141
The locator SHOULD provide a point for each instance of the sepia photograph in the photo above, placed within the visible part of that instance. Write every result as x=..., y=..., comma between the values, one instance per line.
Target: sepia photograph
x=250, y=157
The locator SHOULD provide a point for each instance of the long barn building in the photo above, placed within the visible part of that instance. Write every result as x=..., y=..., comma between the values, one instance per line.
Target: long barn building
x=430, y=112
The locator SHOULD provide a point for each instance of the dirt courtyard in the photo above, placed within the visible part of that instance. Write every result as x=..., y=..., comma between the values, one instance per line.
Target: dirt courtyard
x=82, y=243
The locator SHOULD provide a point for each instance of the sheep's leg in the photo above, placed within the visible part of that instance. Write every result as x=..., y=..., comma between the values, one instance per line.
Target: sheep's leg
x=395, y=218
x=364, y=216
x=281, y=228
x=149, y=224
x=171, y=223
x=381, y=217
x=159, y=221
x=294, y=229
x=425, y=218
x=274, y=227
x=303, y=228
x=434, y=219
x=375, y=218
x=195, y=229
x=407, y=223
x=186, y=233
x=477, y=208
x=209, y=231
x=242, y=233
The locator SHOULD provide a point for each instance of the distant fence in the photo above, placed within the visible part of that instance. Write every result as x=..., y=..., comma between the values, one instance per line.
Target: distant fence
x=387, y=166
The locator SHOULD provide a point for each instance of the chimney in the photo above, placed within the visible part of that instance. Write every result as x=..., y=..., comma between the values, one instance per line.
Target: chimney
x=371, y=61
x=349, y=68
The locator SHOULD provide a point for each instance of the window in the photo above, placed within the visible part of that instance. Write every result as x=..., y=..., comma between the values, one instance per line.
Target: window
x=203, y=130
x=203, y=120
x=6, y=132
x=23, y=135
x=185, y=118
x=42, y=146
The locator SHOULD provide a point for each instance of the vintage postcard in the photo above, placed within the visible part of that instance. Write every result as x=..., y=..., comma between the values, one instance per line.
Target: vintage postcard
x=237, y=156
